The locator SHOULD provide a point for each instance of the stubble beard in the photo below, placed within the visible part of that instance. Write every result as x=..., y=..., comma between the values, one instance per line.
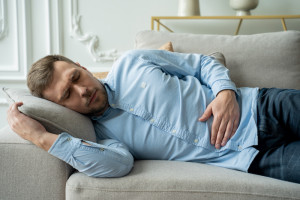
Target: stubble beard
x=102, y=107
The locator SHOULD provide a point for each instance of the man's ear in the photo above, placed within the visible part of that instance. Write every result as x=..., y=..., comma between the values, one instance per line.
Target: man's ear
x=81, y=66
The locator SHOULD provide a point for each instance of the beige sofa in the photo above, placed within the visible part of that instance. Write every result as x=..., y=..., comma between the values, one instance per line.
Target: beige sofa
x=261, y=60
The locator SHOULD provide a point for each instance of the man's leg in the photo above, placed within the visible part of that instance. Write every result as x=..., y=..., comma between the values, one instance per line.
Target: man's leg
x=281, y=162
x=278, y=135
x=278, y=114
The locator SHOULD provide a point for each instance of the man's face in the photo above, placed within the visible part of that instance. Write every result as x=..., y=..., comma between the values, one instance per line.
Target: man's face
x=75, y=88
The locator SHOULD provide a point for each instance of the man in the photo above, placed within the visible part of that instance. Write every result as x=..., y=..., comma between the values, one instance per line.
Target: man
x=160, y=105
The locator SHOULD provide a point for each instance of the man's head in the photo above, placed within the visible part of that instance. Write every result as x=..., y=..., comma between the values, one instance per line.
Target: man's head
x=65, y=82
x=41, y=73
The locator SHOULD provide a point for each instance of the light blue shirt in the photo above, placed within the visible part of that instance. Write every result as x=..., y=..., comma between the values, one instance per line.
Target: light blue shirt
x=156, y=98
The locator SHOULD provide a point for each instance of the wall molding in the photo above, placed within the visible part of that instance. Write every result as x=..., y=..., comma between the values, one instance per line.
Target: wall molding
x=3, y=18
x=90, y=40
x=18, y=71
x=54, y=20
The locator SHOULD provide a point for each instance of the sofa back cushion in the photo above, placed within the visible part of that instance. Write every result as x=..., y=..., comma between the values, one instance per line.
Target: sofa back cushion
x=259, y=60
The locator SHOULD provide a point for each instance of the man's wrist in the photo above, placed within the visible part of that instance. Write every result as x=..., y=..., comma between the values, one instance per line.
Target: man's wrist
x=228, y=91
x=46, y=140
x=222, y=85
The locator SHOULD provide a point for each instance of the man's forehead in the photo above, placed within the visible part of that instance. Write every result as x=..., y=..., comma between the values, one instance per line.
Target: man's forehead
x=61, y=73
x=63, y=64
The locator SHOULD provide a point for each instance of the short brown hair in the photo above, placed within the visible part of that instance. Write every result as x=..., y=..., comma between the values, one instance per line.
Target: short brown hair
x=41, y=73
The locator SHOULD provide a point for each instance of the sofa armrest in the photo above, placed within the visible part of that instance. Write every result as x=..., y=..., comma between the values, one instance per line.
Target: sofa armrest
x=28, y=172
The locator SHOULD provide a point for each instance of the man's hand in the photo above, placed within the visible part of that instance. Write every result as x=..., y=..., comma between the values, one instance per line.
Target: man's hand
x=28, y=128
x=226, y=112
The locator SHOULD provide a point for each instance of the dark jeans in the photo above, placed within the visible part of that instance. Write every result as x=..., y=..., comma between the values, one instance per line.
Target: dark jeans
x=278, y=135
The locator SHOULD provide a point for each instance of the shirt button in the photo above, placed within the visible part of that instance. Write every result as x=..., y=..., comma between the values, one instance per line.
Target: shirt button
x=69, y=139
x=152, y=120
x=174, y=131
x=240, y=147
x=101, y=149
x=113, y=105
x=131, y=109
x=143, y=85
x=196, y=140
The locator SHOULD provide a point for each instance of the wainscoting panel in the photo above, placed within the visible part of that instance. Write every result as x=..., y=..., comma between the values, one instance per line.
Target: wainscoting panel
x=15, y=40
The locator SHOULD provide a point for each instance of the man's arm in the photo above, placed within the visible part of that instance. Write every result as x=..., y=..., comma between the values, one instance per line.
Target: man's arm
x=28, y=128
x=110, y=158
x=212, y=74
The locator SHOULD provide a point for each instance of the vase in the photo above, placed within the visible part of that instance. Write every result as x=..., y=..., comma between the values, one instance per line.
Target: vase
x=188, y=8
x=243, y=7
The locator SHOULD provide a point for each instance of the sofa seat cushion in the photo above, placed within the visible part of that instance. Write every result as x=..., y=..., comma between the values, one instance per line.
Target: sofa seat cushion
x=180, y=180
x=259, y=60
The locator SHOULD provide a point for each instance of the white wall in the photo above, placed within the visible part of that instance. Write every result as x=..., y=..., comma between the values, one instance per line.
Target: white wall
x=31, y=29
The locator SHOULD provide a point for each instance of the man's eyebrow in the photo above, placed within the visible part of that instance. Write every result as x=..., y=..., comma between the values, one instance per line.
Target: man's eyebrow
x=66, y=90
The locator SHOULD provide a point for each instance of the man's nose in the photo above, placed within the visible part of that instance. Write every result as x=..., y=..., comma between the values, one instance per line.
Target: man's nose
x=82, y=91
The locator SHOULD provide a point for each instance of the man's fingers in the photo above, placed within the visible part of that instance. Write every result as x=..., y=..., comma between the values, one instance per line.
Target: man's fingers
x=206, y=115
x=228, y=133
x=13, y=114
x=215, y=129
x=235, y=126
x=19, y=103
x=15, y=106
x=221, y=133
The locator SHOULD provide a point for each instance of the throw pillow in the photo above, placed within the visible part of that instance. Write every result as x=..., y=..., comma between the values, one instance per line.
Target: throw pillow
x=54, y=117
x=168, y=47
x=100, y=75
x=217, y=55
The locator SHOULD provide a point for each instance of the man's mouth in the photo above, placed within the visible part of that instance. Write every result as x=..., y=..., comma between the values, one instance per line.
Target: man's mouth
x=93, y=97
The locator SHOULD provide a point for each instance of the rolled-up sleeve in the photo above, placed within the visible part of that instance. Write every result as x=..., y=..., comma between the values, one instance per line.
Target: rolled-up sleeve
x=107, y=158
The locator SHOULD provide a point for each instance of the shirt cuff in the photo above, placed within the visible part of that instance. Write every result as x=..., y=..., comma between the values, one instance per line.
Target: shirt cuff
x=64, y=146
x=220, y=85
